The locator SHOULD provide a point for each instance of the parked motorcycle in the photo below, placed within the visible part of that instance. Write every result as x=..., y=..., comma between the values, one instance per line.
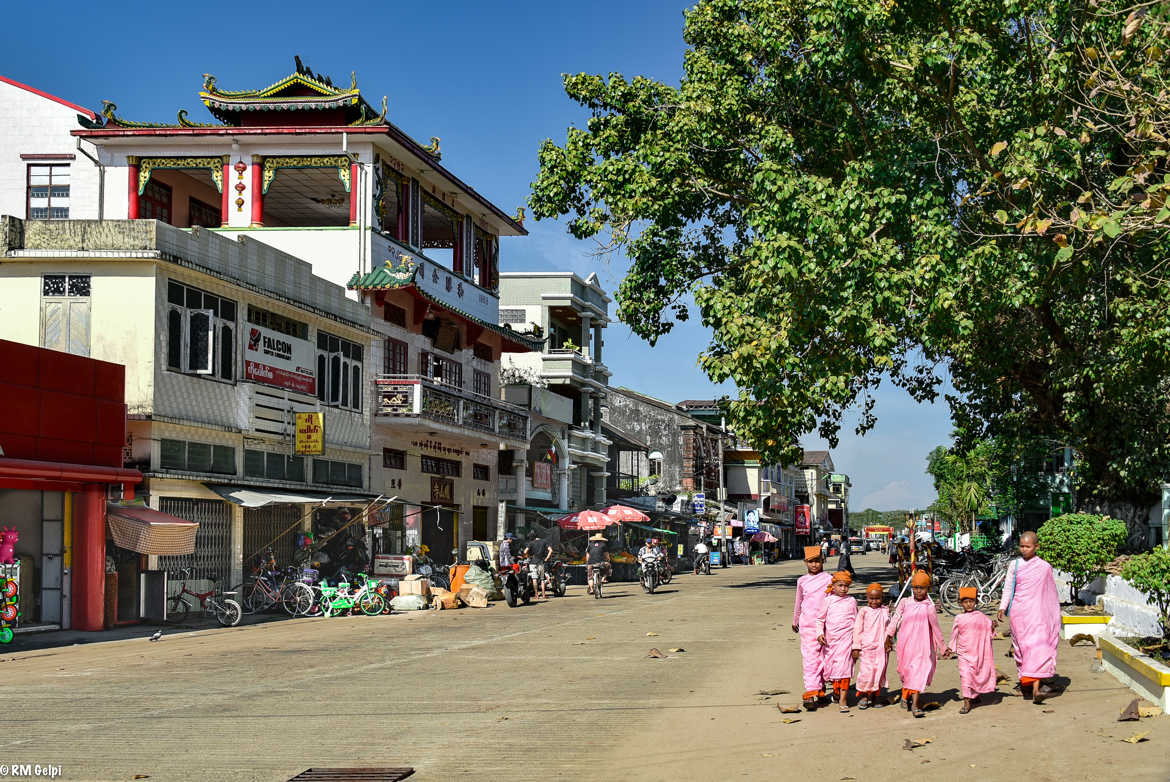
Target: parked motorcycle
x=556, y=577
x=515, y=583
x=650, y=572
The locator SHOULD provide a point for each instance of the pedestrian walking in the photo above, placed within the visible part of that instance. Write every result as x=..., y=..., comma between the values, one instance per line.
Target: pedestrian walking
x=920, y=641
x=810, y=599
x=869, y=647
x=971, y=642
x=835, y=633
x=1030, y=600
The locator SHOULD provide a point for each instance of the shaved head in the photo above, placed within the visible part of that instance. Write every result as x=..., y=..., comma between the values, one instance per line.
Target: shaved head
x=1030, y=537
x=1028, y=543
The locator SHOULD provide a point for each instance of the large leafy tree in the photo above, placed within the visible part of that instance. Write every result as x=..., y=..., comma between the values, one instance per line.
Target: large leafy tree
x=866, y=191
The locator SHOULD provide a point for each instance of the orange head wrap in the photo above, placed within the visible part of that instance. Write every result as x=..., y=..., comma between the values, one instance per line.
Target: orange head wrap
x=875, y=587
x=840, y=577
x=968, y=592
x=921, y=579
x=812, y=552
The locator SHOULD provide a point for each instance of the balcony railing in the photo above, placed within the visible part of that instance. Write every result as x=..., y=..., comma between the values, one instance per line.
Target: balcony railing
x=415, y=396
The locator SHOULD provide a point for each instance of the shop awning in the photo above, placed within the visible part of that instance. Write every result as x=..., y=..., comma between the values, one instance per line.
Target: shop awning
x=148, y=531
x=258, y=498
x=650, y=529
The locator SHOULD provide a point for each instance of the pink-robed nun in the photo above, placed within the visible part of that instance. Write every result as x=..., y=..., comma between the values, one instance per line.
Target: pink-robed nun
x=1030, y=599
x=971, y=643
x=869, y=640
x=920, y=641
x=810, y=599
x=835, y=626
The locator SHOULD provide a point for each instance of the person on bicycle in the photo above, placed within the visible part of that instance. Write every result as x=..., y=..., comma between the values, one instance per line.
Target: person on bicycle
x=702, y=553
x=597, y=557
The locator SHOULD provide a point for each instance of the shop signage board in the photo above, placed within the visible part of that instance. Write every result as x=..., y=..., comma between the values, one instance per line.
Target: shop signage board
x=751, y=522
x=276, y=359
x=310, y=437
x=803, y=521
x=442, y=490
x=542, y=475
x=393, y=565
x=700, y=502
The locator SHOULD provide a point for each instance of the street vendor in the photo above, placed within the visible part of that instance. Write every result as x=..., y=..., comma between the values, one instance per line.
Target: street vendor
x=810, y=599
x=597, y=556
x=1030, y=600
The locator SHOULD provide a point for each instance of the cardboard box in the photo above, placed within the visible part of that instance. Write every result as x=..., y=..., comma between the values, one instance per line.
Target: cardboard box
x=415, y=585
x=443, y=599
x=473, y=596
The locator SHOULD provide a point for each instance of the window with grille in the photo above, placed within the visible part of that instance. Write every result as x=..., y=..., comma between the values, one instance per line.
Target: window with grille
x=212, y=557
x=392, y=313
x=338, y=473
x=481, y=472
x=339, y=372
x=155, y=202
x=441, y=370
x=278, y=323
x=393, y=459
x=483, y=382
x=65, y=313
x=203, y=214
x=396, y=357
x=513, y=316
x=201, y=332
x=197, y=457
x=48, y=192
x=446, y=467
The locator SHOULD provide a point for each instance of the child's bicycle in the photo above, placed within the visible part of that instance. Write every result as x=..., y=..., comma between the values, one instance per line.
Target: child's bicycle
x=339, y=599
x=227, y=611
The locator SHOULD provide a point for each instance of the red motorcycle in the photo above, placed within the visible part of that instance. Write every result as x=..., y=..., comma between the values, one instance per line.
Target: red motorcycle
x=515, y=583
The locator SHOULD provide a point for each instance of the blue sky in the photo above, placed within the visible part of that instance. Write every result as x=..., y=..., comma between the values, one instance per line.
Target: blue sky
x=486, y=78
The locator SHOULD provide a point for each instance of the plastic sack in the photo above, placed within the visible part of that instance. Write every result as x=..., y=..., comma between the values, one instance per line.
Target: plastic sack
x=409, y=603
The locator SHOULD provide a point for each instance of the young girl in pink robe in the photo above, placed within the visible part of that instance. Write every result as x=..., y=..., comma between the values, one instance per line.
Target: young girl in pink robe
x=1030, y=599
x=915, y=622
x=869, y=647
x=835, y=633
x=810, y=598
x=971, y=641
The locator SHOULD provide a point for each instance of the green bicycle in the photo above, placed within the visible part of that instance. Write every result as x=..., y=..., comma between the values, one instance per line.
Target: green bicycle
x=339, y=599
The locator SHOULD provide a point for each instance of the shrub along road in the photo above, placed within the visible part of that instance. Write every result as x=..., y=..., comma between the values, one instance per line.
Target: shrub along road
x=563, y=689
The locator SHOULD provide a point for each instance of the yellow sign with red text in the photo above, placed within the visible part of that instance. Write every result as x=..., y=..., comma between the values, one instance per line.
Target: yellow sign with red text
x=310, y=433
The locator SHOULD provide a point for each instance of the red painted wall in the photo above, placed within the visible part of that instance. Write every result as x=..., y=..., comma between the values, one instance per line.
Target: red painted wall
x=61, y=408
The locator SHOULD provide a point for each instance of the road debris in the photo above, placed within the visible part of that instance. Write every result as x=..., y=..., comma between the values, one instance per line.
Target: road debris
x=651, y=634
x=657, y=655
x=772, y=692
x=790, y=720
x=1081, y=637
x=1130, y=713
x=916, y=743
x=788, y=709
x=1137, y=738
x=677, y=650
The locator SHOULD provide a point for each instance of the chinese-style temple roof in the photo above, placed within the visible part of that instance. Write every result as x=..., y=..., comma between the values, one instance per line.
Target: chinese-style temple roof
x=387, y=277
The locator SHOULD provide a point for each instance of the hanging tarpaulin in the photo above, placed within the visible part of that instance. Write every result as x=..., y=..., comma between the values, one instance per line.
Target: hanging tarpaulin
x=148, y=531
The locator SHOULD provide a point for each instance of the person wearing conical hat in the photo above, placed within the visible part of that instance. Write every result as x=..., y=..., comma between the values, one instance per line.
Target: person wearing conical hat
x=835, y=633
x=869, y=647
x=920, y=641
x=971, y=642
x=810, y=599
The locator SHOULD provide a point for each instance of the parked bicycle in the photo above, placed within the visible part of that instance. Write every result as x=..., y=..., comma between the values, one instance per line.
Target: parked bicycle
x=226, y=610
x=340, y=599
x=989, y=589
x=268, y=587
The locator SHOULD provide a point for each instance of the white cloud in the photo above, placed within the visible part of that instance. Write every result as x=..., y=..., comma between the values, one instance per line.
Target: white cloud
x=895, y=495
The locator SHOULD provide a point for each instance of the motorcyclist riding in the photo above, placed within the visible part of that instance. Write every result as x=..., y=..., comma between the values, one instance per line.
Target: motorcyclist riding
x=597, y=557
x=702, y=554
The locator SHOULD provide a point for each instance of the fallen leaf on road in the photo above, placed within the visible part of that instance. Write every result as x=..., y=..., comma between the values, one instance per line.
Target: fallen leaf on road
x=677, y=649
x=142, y=776
x=591, y=638
x=1130, y=713
x=1000, y=676
x=788, y=709
x=789, y=720
x=772, y=692
x=657, y=655
x=1079, y=637
x=1149, y=711
x=767, y=755
x=651, y=634
x=916, y=743
x=931, y=706
x=1048, y=711
x=1137, y=738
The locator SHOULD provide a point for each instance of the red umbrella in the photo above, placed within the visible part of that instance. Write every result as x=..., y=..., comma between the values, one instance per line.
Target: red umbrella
x=586, y=520
x=626, y=513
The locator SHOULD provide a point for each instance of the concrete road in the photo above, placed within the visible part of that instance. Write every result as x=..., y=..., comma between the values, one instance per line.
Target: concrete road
x=562, y=689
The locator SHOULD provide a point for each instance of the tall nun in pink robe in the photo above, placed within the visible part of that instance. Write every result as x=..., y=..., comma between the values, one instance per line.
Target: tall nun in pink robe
x=810, y=599
x=920, y=641
x=971, y=643
x=869, y=647
x=835, y=633
x=1030, y=599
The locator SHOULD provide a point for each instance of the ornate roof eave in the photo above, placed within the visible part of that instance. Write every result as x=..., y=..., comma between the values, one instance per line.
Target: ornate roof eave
x=401, y=277
x=111, y=120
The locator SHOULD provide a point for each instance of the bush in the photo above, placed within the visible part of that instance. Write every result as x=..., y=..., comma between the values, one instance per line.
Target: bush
x=1081, y=544
x=1149, y=573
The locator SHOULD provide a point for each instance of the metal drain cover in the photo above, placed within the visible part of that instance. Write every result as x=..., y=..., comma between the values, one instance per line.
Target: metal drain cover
x=352, y=775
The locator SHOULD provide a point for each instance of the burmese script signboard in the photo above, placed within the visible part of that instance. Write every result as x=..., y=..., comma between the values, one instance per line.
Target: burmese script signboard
x=310, y=438
x=279, y=360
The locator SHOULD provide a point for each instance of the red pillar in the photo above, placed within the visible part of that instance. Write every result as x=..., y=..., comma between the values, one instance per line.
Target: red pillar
x=132, y=190
x=225, y=197
x=257, y=193
x=353, y=193
x=89, y=557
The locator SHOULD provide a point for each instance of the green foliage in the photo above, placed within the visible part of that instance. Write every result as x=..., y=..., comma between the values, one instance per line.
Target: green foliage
x=1080, y=544
x=1149, y=573
x=962, y=480
x=857, y=192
